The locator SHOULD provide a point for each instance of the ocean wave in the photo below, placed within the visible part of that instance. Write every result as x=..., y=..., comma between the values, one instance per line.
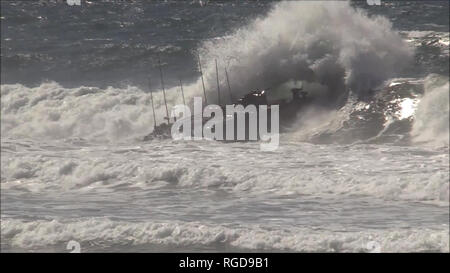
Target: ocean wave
x=51, y=111
x=403, y=111
x=99, y=234
x=431, y=123
x=386, y=172
x=294, y=42
x=289, y=44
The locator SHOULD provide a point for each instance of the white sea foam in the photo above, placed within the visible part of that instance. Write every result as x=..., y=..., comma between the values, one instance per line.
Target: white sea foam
x=51, y=111
x=104, y=233
x=292, y=42
x=326, y=43
x=431, y=123
x=429, y=38
x=386, y=172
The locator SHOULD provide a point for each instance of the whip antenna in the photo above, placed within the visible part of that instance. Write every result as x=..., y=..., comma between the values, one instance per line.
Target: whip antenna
x=203, y=82
x=182, y=92
x=164, y=91
x=153, y=106
x=228, y=83
x=218, y=86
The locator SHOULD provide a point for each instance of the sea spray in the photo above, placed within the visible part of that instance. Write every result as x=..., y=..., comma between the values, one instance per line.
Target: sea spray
x=324, y=43
x=431, y=123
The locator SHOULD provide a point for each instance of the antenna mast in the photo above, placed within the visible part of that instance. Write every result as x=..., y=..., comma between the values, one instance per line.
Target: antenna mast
x=164, y=91
x=153, y=106
x=228, y=83
x=203, y=82
x=218, y=87
x=182, y=92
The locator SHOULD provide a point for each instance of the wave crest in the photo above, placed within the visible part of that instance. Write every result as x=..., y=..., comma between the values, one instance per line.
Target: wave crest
x=326, y=43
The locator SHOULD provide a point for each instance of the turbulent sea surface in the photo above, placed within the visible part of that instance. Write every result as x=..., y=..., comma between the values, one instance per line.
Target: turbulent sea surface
x=364, y=168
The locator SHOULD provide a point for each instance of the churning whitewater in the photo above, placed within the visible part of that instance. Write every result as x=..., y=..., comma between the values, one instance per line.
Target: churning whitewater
x=366, y=162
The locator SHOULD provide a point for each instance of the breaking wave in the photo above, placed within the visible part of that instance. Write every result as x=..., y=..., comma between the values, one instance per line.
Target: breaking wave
x=404, y=110
x=51, y=111
x=98, y=234
x=324, y=44
x=431, y=124
x=293, y=43
x=415, y=173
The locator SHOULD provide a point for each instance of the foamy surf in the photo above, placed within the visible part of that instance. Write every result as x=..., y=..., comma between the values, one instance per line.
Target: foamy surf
x=106, y=235
x=409, y=173
x=364, y=168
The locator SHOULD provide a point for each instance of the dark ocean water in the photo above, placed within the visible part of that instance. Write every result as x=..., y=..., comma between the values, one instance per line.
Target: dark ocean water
x=116, y=43
x=111, y=43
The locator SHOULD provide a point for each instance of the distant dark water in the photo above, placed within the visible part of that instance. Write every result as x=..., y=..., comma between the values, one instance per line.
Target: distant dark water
x=116, y=43
x=110, y=43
